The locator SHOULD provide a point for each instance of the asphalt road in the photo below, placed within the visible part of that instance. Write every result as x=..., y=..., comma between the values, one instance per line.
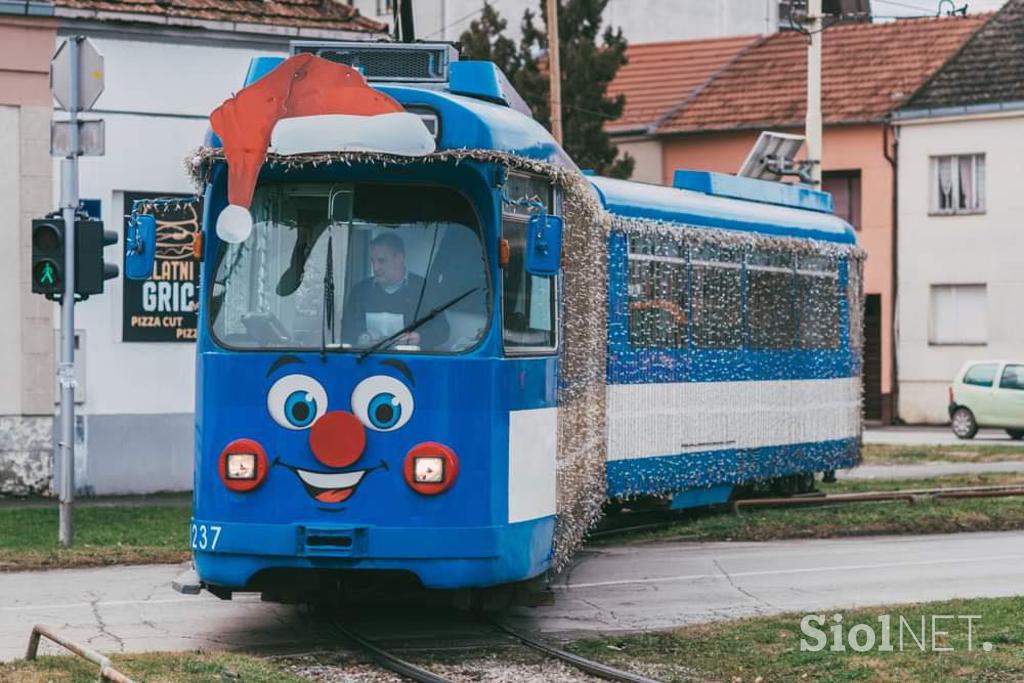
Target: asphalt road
x=622, y=588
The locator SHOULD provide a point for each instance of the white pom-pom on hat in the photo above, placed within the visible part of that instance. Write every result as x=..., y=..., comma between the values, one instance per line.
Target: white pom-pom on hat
x=234, y=224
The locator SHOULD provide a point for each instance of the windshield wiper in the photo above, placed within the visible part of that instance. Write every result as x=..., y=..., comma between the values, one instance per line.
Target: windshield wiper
x=388, y=341
x=327, y=322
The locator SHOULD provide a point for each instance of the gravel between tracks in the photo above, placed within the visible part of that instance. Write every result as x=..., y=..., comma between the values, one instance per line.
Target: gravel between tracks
x=494, y=668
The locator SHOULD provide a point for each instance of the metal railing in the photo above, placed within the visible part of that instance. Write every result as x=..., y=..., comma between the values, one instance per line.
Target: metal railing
x=107, y=672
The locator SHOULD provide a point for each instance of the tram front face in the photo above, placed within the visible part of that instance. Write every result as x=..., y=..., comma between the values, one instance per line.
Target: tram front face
x=352, y=399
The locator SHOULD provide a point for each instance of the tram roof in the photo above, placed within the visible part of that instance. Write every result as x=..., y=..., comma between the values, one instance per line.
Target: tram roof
x=699, y=199
x=471, y=123
x=706, y=209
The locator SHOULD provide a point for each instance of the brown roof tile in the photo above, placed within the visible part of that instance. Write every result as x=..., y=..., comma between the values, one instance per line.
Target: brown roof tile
x=321, y=14
x=660, y=76
x=988, y=70
x=868, y=70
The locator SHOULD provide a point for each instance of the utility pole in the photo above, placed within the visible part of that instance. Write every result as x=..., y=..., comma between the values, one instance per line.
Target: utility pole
x=66, y=367
x=555, y=71
x=813, y=132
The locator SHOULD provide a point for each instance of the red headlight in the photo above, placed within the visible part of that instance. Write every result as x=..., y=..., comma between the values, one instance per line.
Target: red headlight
x=242, y=465
x=430, y=468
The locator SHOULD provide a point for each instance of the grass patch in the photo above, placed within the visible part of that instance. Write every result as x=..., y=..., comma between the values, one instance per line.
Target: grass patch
x=768, y=648
x=103, y=536
x=889, y=454
x=166, y=667
x=853, y=519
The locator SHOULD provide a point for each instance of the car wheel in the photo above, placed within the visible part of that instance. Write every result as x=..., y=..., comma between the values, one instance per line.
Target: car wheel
x=1016, y=434
x=964, y=425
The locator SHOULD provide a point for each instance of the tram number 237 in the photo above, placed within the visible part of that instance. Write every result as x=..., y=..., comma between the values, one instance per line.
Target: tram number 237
x=204, y=537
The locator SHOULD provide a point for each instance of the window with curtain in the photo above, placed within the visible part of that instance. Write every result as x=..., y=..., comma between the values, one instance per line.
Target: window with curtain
x=958, y=184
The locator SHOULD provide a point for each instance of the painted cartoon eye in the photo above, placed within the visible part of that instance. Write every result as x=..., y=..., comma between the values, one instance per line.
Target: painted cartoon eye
x=296, y=401
x=382, y=403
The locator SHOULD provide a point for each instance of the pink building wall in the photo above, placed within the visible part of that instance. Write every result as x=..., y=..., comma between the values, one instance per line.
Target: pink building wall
x=26, y=46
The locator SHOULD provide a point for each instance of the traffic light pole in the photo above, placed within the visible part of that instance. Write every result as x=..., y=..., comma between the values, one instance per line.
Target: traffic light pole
x=66, y=367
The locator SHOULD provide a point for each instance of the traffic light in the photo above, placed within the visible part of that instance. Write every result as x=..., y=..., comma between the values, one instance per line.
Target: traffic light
x=48, y=256
x=90, y=268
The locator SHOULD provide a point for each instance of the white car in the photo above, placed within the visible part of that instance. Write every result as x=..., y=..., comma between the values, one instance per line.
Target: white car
x=988, y=393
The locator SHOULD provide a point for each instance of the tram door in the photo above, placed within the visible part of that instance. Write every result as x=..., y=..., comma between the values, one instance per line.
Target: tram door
x=873, y=357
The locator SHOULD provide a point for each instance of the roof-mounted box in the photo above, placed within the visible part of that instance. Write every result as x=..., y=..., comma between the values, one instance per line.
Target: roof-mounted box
x=386, y=62
x=752, y=190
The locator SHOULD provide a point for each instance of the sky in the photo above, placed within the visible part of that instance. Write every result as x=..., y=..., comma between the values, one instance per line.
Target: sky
x=902, y=8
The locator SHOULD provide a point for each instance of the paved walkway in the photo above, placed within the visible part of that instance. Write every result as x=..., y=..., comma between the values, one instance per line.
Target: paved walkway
x=930, y=469
x=620, y=588
x=936, y=436
x=102, y=501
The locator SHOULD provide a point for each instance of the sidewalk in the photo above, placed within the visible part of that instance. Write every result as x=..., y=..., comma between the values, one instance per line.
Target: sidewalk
x=935, y=436
x=101, y=501
x=931, y=469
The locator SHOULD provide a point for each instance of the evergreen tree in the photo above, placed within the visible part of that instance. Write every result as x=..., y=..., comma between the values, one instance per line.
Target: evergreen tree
x=587, y=69
x=483, y=41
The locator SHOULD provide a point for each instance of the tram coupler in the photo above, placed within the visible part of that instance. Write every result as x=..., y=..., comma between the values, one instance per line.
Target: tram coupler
x=187, y=582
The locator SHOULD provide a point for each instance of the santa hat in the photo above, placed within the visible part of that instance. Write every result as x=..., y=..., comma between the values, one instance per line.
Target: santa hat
x=307, y=104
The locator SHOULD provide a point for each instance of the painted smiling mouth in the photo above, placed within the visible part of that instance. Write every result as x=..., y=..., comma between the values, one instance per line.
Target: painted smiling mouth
x=330, y=487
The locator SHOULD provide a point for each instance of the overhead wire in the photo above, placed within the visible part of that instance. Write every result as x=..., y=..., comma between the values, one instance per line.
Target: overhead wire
x=461, y=19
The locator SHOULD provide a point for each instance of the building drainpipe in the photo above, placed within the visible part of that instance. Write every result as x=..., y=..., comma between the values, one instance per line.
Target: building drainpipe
x=889, y=131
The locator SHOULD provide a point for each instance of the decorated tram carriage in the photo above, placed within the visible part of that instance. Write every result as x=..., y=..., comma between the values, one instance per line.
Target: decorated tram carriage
x=429, y=345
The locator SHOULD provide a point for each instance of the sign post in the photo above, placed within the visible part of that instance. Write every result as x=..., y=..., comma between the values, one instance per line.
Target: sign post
x=76, y=81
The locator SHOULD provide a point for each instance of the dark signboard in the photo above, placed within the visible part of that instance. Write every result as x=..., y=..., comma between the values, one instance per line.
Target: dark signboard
x=163, y=307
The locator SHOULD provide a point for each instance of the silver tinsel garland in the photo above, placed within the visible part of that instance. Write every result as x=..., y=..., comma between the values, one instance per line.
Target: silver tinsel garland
x=583, y=366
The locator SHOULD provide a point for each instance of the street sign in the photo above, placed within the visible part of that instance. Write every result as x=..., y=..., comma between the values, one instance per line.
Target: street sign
x=91, y=138
x=90, y=72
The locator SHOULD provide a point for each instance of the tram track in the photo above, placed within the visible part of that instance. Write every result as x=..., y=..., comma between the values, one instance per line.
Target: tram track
x=653, y=520
x=387, y=659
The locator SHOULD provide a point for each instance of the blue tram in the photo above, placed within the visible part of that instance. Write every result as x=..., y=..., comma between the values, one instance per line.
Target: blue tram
x=400, y=369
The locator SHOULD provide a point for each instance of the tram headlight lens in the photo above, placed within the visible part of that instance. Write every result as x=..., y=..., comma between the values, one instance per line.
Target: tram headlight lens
x=241, y=466
x=429, y=470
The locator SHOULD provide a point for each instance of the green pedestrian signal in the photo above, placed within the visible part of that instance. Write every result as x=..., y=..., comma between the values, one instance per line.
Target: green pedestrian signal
x=47, y=276
x=48, y=257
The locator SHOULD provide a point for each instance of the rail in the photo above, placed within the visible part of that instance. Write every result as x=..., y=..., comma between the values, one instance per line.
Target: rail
x=389, y=661
x=909, y=495
x=586, y=665
x=107, y=671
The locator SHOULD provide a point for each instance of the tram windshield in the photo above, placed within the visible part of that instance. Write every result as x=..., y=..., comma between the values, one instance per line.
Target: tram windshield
x=354, y=267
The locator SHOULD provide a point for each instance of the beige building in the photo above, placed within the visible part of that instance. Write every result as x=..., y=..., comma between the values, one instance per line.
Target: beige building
x=26, y=336
x=961, y=217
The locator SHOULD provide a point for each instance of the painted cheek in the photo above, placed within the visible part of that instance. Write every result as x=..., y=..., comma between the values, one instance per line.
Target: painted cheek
x=337, y=439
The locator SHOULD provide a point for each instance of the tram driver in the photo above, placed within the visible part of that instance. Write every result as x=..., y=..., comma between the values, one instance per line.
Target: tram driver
x=389, y=300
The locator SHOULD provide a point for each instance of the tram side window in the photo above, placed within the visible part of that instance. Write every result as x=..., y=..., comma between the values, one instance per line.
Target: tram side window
x=716, y=281
x=657, y=292
x=818, y=302
x=772, y=317
x=528, y=301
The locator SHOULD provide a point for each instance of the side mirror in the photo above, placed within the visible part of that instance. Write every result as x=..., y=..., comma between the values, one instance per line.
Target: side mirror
x=140, y=247
x=543, y=244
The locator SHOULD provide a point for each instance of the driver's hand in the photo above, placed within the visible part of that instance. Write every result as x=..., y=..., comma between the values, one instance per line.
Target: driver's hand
x=411, y=338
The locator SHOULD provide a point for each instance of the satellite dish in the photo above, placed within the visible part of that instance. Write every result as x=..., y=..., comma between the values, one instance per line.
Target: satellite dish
x=772, y=157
